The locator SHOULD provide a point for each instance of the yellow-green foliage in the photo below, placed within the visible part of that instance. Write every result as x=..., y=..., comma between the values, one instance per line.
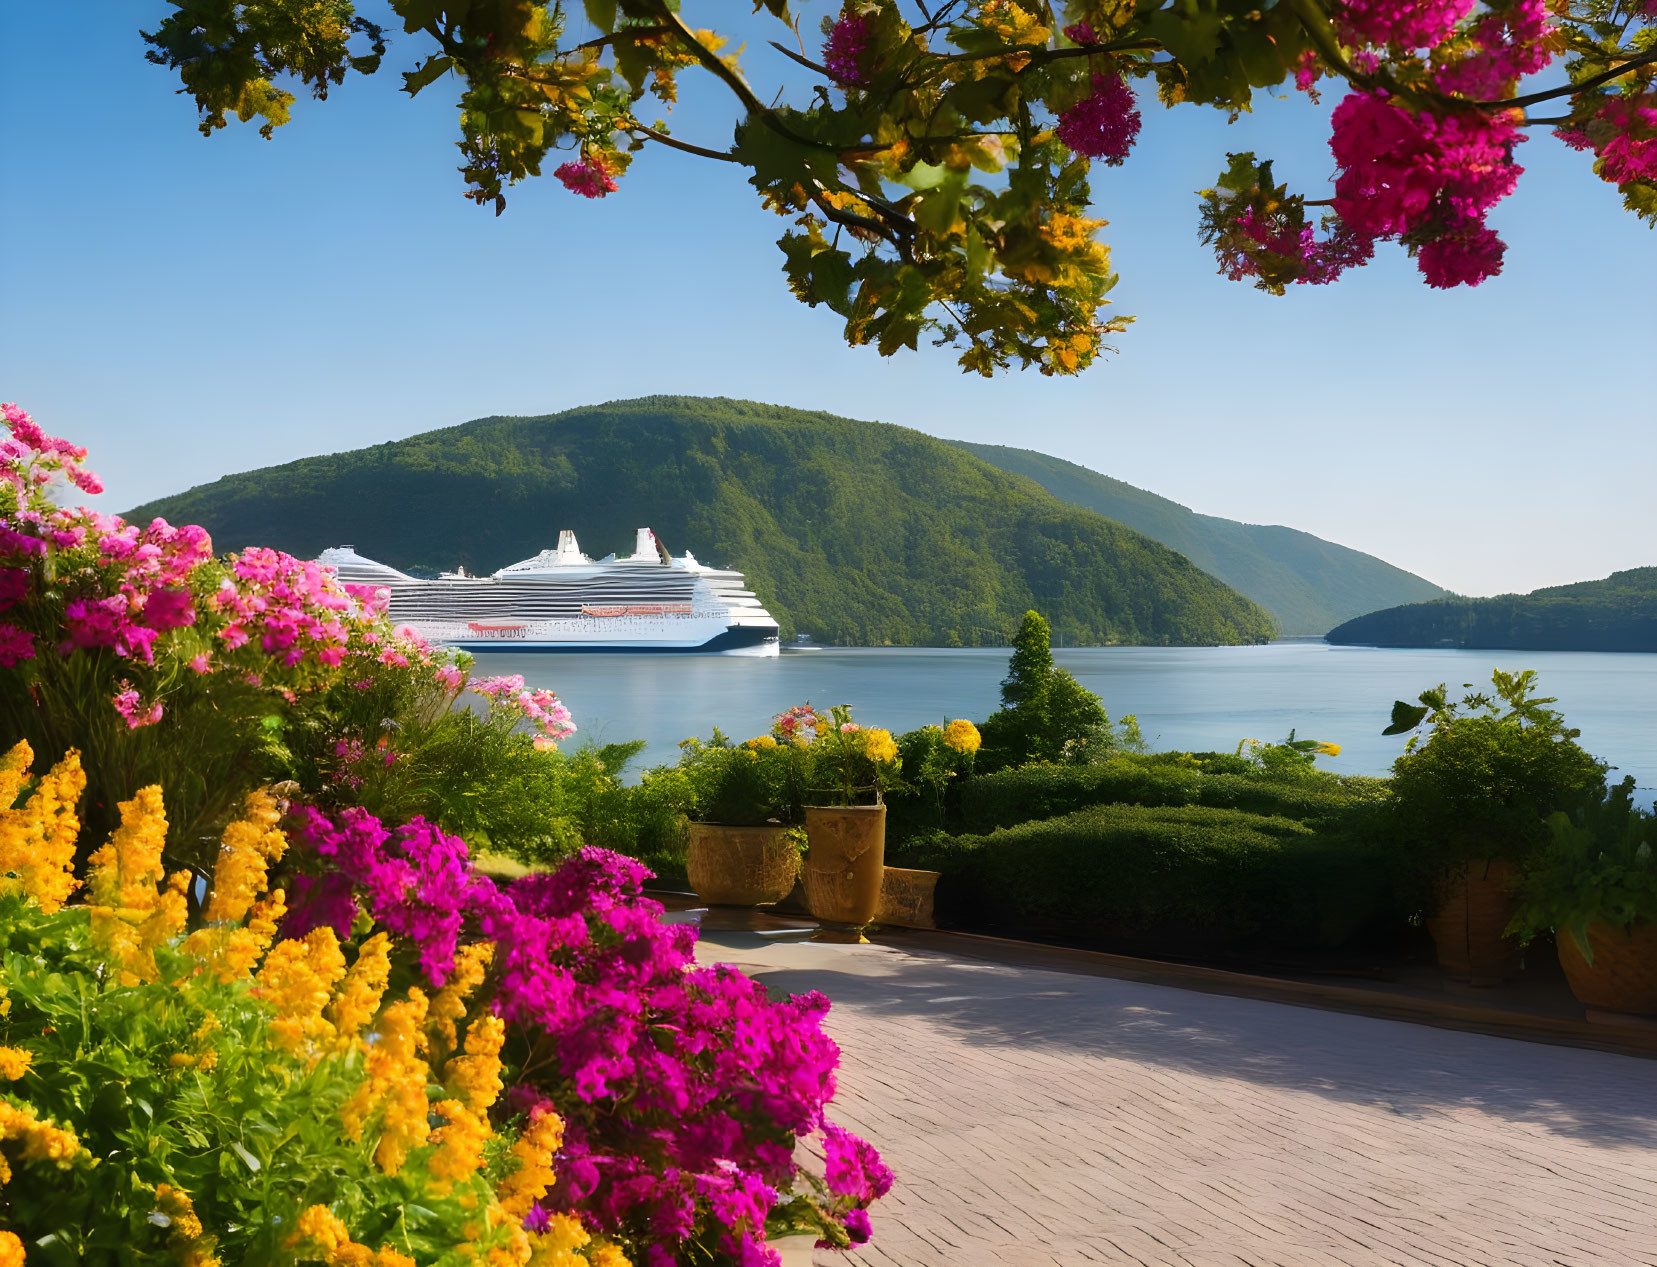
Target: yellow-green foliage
x=220, y=1097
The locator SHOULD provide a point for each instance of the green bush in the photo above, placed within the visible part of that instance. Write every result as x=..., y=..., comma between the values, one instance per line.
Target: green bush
x=1183, y=880
x=1035, y=792
x=1598, y=866
x=1483, y=778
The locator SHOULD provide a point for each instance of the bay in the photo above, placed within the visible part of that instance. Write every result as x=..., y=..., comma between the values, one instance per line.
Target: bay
x=1191, y=698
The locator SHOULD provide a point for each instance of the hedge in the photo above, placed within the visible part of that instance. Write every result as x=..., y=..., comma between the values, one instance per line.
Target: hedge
x=1217, y=781
x=1187, y=880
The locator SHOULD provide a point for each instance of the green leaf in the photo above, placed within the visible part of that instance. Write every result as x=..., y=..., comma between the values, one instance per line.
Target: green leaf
x=1405, y=717
x=433, y=69
x=602, y=14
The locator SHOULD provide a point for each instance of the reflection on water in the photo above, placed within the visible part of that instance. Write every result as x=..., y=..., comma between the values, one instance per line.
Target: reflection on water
x=1194, y=698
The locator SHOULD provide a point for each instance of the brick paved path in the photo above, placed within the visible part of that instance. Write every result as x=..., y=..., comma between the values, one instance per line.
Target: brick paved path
x=1039, y=1117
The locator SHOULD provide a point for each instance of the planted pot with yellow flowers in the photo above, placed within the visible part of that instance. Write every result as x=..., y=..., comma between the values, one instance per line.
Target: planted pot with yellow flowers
x=851, y=769
x=743, y=845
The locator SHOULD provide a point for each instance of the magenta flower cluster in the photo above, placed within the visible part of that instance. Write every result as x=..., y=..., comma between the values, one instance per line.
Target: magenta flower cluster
x=1104, y=124
x=845, y=50
x=1432, y=178
x=1403, y=24
x=1316, y=261
x=269, y=619
x=1623, y=134
x=683, y=1088
x=588, y=176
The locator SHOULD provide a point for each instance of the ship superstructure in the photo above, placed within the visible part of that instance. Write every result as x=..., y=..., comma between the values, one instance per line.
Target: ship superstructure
x=561, y=600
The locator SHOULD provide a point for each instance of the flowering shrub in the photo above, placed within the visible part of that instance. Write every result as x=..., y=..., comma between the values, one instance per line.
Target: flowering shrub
x=682, y=1089
x=214, y=1096
x=320, y=1070
x=934, y=150
x=266, y=666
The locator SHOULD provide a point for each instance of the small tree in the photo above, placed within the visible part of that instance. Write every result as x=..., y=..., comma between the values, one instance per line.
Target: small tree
x=1046, y=714
x=1031, y=669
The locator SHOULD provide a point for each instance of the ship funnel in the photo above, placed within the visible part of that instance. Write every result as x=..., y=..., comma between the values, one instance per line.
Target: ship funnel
x=568, y=550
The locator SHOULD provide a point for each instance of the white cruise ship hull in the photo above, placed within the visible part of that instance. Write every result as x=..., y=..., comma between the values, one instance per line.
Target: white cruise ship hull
x=643, y=634
x=563, y=601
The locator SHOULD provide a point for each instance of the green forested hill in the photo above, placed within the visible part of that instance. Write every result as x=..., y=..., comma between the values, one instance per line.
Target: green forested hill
x=1618, y=613
x=1309, y=584
x=855, y=532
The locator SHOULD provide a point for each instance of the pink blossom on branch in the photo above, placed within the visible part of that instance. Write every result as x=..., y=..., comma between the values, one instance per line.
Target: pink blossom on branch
x=1623, y=134
x=1402, y=23
x=1464, y=258
x=1507, y=44
x=1425, y=176
x=844, y=50
x=588, y=176
x=16, y=645
x=1104, y=124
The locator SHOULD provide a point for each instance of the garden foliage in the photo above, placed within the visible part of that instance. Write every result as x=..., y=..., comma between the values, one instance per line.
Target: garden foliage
x=1481, y=775
x=1599, y=865
x=1183, y=880
x=295, y=1022
x=933, y=165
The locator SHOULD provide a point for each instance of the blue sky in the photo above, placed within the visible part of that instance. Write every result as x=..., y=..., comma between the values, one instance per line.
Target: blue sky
x=188, y=307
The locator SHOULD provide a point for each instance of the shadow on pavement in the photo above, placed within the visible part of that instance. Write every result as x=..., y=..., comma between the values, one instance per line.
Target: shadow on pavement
x=1412, y=1070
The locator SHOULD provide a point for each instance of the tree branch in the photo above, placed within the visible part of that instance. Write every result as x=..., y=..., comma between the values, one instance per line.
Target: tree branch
x=662, y=138
x=1570, y=90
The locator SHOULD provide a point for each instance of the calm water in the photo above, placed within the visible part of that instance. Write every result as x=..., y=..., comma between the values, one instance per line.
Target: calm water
x=1193, y=698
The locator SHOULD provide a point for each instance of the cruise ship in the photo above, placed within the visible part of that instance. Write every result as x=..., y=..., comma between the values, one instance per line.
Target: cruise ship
x=561, y=600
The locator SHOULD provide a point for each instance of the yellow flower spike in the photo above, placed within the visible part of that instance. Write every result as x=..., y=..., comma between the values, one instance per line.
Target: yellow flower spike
x=41, y=1140
x=298, y=978
x=459, y=1141
x=529, y=1180
x=359, y=995
x=246, y=849
x=448, y=1005
x=14, y=1063
x=475, y=1078
x=11, y=1250
x=607, y=1254
x=189, y=1242
x=37, y=840
x=963, y=736
x=14, y=768
x=394, y=1085
x=318, y=1228
x=557, y=1245
x=319, y=1231
x=164, y=922
x=1328, y=750
x=126, y=870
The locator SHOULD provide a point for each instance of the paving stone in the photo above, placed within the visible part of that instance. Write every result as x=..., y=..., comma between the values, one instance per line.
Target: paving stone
x=1042, y=1118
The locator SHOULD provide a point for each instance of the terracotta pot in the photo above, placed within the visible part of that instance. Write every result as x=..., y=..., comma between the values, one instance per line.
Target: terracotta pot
x=1467, y=931
x=1623, y=975
x=741, y=866
x=844, y=864
x=906, y=897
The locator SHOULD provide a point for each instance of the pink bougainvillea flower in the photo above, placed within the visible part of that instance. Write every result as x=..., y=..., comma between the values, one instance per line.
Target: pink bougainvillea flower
x=1432, y=177
x=588, y=176
x=844, y=50
x=16, y=645
x=169, y=609
x=1465, y=258
x=1404, y=23
x=1104, y=124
